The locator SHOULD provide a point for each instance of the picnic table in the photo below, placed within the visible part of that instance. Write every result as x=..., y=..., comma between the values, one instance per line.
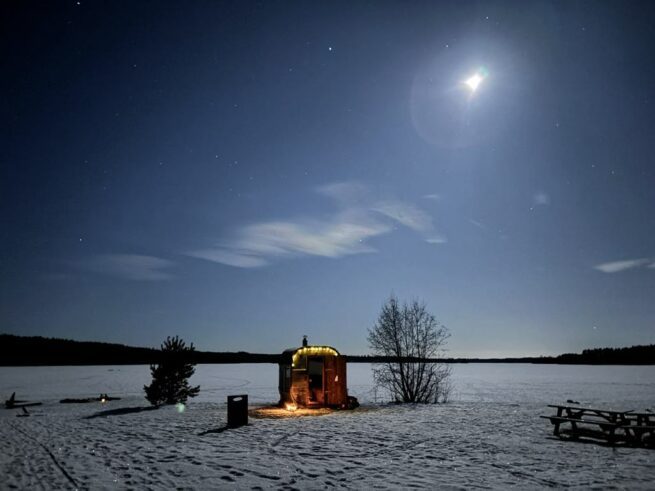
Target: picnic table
x=628, y=427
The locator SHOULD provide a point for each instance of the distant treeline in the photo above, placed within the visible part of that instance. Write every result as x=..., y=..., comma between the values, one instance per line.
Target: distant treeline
x=39, y=351
x=633, y=355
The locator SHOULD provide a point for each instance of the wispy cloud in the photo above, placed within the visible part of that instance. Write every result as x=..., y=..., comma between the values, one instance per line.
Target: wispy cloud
x=477, y=224
x=540, y=199
x=405, y=214
x=432, y=196
x=358, y=219
x=617, y=266
x=128, y=266
x=346, y=193
x=231, y=258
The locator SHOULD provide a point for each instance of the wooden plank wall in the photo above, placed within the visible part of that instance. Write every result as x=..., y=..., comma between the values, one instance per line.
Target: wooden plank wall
x=335, y=380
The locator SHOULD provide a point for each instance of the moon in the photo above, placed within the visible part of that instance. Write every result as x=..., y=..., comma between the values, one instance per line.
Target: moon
x=456, y=102
x=474, y=81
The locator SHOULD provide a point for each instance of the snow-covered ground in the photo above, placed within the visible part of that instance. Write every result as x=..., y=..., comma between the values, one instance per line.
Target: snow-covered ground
x=490, y=435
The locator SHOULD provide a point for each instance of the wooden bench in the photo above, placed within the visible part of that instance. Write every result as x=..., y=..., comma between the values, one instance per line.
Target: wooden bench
x=600, y=429
x=640, y=434
x=640, y=418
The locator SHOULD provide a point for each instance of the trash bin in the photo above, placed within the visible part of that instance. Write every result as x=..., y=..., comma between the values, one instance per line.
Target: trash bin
x=237, y=411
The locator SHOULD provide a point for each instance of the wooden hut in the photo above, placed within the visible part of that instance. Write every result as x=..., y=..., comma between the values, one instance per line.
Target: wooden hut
x=313, y=377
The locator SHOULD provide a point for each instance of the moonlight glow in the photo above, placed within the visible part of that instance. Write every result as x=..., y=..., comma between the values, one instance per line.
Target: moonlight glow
x=474, y=81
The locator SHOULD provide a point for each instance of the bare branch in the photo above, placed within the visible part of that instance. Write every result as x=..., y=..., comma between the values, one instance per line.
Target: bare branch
x=412, y=336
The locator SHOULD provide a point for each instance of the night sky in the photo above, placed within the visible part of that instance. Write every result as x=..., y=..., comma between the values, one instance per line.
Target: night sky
x=242, y=174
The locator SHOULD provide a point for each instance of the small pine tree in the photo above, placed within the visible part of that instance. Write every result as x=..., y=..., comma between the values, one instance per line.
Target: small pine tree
x=170, y=378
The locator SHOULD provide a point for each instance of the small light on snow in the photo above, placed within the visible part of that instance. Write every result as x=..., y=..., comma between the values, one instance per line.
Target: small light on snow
x=180, y=407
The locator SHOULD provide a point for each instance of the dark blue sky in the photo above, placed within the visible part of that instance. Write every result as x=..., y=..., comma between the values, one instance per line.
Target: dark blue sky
x=243, y=174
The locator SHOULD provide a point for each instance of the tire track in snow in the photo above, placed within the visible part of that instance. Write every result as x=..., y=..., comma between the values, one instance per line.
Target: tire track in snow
x=52, y=456
x=282, y=438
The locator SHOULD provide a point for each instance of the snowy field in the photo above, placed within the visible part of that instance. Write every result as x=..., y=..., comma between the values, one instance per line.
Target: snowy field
x=488, y=436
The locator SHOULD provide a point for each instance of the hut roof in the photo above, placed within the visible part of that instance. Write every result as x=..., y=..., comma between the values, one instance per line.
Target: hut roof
x=291, y=355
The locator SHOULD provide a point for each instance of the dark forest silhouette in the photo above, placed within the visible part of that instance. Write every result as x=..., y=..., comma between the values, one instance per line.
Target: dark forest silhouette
x=36, y=350
x=40, y=351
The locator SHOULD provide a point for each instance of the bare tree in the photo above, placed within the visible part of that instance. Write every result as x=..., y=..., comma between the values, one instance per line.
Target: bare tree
x=412, y=343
